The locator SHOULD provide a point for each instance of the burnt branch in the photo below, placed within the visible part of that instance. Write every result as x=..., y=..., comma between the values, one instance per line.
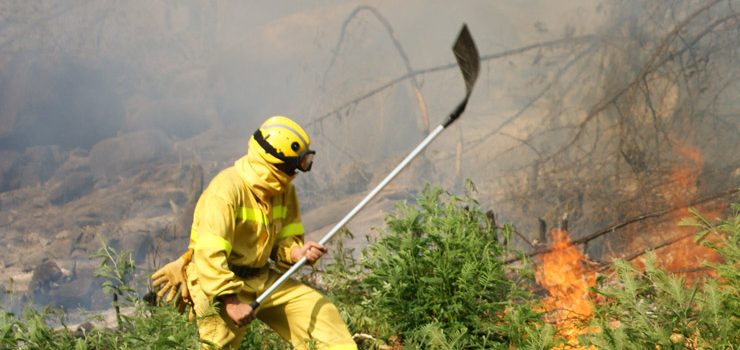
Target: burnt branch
x=415, y=85
x=606, y=265
x=653, y=63
x=415, y=73
x=614, y=228
x=538, y=96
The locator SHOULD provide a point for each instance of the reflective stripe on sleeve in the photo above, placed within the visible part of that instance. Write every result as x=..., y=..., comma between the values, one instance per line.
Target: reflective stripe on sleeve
x=294, y=229
x=210, y=241
x=251, y=214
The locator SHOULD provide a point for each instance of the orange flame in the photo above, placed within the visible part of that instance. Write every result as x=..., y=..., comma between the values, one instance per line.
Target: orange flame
x=684, y=256
x=563, y=273
x=683, y=176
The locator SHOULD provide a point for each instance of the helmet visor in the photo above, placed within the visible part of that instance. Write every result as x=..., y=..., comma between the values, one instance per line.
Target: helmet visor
x=305, y=161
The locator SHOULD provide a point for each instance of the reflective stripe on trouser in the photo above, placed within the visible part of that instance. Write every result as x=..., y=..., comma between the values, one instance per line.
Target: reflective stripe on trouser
x=295, y=311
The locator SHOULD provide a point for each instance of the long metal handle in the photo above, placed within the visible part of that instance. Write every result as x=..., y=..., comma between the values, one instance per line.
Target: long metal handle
x=352, y=213
x=468, y=59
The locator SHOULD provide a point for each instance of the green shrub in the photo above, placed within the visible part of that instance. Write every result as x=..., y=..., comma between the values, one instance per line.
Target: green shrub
x=143, y=327
x=437, y=279
x=653, y=308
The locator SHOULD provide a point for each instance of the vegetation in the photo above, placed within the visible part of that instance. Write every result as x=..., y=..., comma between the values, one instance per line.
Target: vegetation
x=437, y=280
x=653, y=309
x=143, y=327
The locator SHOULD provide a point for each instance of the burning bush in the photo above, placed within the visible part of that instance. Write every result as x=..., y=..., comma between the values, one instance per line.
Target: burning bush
x=655, y=309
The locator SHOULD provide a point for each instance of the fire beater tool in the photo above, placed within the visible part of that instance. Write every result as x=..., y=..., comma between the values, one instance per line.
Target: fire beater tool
x=468, y=59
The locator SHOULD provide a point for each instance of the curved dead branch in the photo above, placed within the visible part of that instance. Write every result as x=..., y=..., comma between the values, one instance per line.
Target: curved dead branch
x=409, y=75
x=539, y=95
x=630, y=221
x=401, y=52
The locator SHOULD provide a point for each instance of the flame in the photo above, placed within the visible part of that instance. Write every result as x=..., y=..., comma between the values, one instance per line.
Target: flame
x=564, y=274
x=684, y=256
x=683, y=185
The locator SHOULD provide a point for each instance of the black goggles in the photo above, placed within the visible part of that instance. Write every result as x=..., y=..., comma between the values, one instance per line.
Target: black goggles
x=302, y=162
x=305, y=160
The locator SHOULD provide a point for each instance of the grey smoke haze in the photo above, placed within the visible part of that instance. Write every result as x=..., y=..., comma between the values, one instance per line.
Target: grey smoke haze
x=142, y=99
x=74, y=72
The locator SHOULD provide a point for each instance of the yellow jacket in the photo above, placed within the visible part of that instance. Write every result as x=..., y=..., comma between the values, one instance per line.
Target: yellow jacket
x=247, y=214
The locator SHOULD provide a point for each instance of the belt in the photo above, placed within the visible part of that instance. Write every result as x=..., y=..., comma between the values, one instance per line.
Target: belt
x=245, y=271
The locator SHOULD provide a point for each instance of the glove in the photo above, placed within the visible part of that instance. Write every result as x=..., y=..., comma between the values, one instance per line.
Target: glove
x=172, y=278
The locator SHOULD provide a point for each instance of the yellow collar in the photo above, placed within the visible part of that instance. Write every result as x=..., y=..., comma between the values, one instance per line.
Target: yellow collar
x=263, y=178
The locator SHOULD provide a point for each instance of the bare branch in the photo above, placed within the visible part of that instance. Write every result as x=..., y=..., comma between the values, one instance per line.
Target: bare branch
x=373, y=92
x=401, y=52
x=633, y=220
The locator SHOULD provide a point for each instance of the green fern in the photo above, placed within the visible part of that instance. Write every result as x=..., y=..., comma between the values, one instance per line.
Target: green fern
x=645, y=309
x=436, y=279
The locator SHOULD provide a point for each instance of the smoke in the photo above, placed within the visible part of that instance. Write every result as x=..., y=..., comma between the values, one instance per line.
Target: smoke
x=578, y=111
x=56, y=101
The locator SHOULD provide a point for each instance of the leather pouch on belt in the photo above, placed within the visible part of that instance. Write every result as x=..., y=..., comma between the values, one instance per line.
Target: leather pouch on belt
x=201, y=303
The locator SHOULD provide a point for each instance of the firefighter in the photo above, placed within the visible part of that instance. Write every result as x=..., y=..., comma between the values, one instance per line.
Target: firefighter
x=248, y=214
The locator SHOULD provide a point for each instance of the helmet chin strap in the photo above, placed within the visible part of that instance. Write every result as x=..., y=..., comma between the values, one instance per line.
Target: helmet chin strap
x=286, y=168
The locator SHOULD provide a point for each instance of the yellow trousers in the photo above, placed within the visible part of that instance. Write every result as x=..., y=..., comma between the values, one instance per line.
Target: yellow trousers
x=298, y=313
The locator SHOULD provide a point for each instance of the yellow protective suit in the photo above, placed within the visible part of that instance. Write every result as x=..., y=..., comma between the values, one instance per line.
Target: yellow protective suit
x=247, y=214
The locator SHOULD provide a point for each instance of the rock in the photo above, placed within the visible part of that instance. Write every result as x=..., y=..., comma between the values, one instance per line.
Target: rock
x=7, y=160
x=73, y=186
x=77, y=160
x=83, y=329
x=33, y=167
x=73, y=294
x=45, y=275
x=125, y=154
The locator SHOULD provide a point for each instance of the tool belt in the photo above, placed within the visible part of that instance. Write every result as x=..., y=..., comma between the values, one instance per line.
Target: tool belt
x=245, y=271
